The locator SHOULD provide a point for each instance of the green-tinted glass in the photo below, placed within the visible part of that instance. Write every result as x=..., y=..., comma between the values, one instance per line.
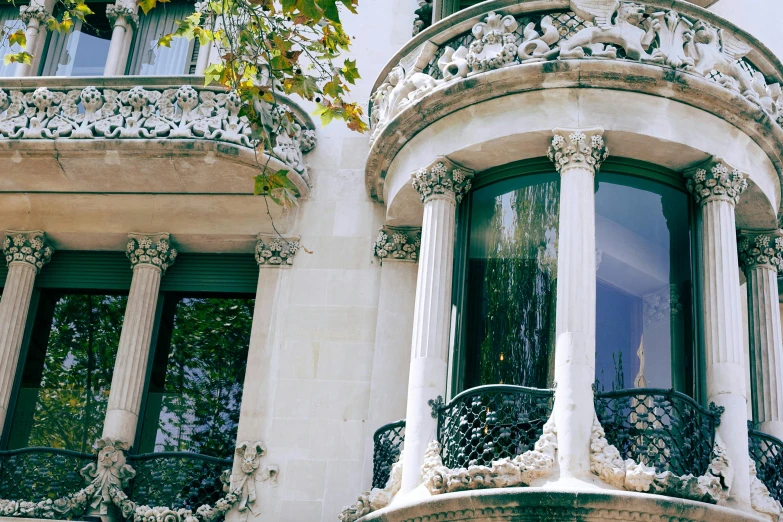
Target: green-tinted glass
x=512, y=270
x=195, y=388
x=68, y=370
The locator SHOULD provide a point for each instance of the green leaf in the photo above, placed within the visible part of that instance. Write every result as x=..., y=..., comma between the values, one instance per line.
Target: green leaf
x=329, y=8
x=18, y=38
x=165, y=41
x=147, y=5
x=350, y=72
x=22, y=57
x=213, y=73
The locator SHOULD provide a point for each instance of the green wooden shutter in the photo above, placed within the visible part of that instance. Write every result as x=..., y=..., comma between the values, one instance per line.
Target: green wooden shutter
x=228, y=273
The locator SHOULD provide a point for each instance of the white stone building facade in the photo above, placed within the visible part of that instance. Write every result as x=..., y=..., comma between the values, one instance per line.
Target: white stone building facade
x=555, y=257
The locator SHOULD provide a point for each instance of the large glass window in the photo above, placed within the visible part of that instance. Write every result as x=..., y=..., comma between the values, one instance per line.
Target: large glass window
x=511, y=282
x=643, y=327
x=195, y=387
x=84, y=50
x=149, y=58
x=9, y=24
x=67, y=371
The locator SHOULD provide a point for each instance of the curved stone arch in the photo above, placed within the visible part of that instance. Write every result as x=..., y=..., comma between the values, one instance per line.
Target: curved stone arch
x=515, y=127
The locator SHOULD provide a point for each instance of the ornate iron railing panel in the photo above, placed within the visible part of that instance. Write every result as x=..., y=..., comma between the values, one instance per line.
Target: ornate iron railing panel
x=177, y=479
x=491, y=422
x=664, y=429
x=41, y=473
x=388, y=441
x=767, y=452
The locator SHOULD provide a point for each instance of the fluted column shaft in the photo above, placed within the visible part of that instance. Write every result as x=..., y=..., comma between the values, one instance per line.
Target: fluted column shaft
x=150, y=256
x=577, y=155
x=428, y=373
x=716, y=187
x=760, y=255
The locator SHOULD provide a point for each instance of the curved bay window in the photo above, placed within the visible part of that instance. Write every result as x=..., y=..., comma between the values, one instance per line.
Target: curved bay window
x=644, y=285
x=82, y=51
x=511, y=282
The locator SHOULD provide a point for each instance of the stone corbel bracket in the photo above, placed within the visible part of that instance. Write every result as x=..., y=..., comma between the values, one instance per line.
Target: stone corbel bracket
x=275, y=250
x=398, y=244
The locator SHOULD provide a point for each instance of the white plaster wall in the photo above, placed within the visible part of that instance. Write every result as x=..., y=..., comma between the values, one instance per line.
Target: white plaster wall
x=761, y=18
x=326, y=331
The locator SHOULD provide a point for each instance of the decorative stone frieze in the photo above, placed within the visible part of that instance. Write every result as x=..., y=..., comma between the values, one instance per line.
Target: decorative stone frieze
x=760, y=498
x=154, y=250
x=716, y=179
x=442, y=178
x=186, y=112
x=507, y=472
x=662, y=305
x=32, y=12
x=27, y=247
x=494, y=46
x=578, y=148
x=276, y=250
x=760, y=250
x=117, y=11
x=608, y=465
x=398, y=243
x=375, y=499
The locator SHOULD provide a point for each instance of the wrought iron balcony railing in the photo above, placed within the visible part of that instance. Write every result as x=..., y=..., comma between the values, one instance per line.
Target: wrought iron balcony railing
x=491, y=422
x=41, y=473
x=663, y=429
x=388, y=443
x=177, y=479
x=767, y=452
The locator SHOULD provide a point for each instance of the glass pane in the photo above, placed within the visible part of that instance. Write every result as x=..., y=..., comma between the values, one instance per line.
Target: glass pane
x=82, y=52
x=148, y=58
x=195, y=389
x=643, y=324
x=512, y=270
x=67, y=372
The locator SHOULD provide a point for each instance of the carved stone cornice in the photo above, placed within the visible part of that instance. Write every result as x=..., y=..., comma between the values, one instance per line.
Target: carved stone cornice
x=275, y=250
x=151, y=249
x=716, y=179
x=28, y=247
x=33, y=12
x=116, y=11
x=442, y=178
x=759, y=249
x=583, y=148
x=398, y=243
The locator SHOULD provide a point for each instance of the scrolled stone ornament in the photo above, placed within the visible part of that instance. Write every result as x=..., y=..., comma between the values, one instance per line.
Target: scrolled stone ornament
x=442, y=178
x=154, y=251
x=27, y=247
x=578, y=148
x=717, y=180
x=760, y=250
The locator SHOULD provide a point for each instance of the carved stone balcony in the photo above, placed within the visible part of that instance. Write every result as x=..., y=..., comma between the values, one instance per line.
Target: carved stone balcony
x=483, y=85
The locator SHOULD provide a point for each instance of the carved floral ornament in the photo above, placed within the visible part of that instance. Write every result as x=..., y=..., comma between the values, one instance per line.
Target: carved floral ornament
x=760, y=250
x=716, y=179
x=398, y=243
x=117, y=11
x=593, y=29
x=578, y=148
x=27, y=247
x=110, y=474
x=32, y=12
x=442, y=178
x=154, y=250
x=276, y=250
x=137, y=112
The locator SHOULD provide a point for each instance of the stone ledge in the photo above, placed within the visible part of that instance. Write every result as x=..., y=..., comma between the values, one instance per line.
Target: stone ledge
x=539, y=505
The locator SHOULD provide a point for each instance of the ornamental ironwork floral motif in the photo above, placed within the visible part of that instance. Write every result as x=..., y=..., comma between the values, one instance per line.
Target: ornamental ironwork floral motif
x=27, y=247
x=276, y=250
x=717, y=180
x=603, y=29
x=137, y=112
x=152, y=250
x=115, y=11
x=400, y=243
x=443, y=177
x=760, y=250
x=577, y=148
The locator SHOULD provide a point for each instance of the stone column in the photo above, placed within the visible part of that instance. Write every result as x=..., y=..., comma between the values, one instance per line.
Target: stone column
x=25, y=253
x=760, y=256
x=150, y=255
x=716, y=186
x=441, y=186
x=34, y=16
x=577, y=155
x=397, y=248
x=124, y=20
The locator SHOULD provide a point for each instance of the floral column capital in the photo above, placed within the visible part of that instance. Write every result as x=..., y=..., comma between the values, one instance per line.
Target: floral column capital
x=275, y=250
x=760, y=249
x=29, y=247
x=122, y=11
x=442, y=178
x=31, y=12
x=584, y=148
x=151, y=249
x=398, y=243
x=716, y=179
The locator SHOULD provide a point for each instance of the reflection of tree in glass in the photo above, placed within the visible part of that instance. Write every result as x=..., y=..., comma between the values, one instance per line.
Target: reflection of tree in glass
x=520, y=281
x=204, y=376
x=77, y=371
